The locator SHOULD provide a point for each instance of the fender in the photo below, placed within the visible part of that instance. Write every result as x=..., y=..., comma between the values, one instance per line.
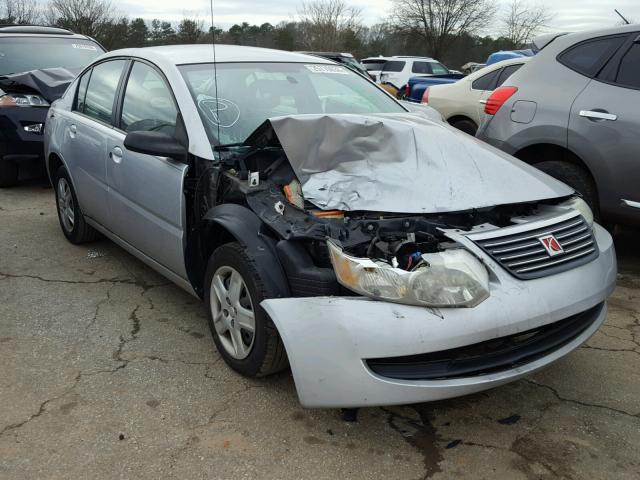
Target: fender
x=250, y=232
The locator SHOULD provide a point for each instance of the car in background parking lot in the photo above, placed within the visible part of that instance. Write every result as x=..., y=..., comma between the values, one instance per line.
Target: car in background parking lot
x=461, y=103
x=572, y=111
x=36, y=65
x=397, y=70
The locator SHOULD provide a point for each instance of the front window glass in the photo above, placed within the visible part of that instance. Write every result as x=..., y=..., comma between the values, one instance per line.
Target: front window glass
x=148, y=104
x=250, y=93
x=421, y=67
x=439, y=69
x=101, y=91
x=22, y=54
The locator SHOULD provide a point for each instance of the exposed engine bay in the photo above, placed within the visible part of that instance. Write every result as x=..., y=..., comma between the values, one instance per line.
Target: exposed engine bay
x=310, y=240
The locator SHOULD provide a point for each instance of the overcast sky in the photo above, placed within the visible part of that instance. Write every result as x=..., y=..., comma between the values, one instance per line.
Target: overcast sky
x=567, y=14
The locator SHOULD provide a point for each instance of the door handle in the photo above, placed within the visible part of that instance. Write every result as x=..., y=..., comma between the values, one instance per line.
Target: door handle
x=116, y=154
x=72, y=131
x=598, y=115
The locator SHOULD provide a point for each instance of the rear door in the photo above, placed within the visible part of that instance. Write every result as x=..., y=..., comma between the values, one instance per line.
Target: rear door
x=604, y=129
x=146, y=198
x=87, y=131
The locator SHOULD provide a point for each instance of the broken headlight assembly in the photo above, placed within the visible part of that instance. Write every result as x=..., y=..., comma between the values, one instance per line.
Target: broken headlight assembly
x=450, y=278
x=22, y=100
x=581, y=206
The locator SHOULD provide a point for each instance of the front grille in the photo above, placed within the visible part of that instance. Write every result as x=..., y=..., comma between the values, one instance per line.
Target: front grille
x=487, y=357
x=523, y=255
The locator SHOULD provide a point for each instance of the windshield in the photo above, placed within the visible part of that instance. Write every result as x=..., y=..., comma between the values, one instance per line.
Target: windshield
x=22, y=54
x=250, y=93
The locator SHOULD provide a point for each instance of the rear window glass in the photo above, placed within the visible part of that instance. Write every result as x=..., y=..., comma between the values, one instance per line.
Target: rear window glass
x=101, y=91
x=374, y=65
x=588, y=57
x=506, y=73
x=485, y=82
x=393, y=66
x=629, y=71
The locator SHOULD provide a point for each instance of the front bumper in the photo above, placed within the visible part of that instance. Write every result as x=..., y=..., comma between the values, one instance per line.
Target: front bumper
x=328, y=339
x=16, y=144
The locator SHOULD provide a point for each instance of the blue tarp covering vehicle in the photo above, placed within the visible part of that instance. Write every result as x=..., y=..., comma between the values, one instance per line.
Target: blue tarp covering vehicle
x=417, y=85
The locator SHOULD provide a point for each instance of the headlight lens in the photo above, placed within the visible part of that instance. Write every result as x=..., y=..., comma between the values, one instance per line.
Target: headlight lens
x=22, y=100
x=452, y=278
x=581, y=206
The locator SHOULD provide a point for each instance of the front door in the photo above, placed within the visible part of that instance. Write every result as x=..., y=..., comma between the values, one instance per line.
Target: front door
x=146, y=198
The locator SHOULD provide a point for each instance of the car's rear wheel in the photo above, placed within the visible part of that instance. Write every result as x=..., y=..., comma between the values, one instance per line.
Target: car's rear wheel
x=72, y=221
x=8, y=173
x=242, y=331
x=574, y=176
x=465, y=125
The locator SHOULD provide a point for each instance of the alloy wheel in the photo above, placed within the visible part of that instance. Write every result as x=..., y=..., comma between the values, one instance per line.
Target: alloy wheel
x=65, y=205
x=232, y=312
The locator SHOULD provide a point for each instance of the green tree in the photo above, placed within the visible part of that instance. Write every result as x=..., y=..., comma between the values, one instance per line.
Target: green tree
x=138, y=33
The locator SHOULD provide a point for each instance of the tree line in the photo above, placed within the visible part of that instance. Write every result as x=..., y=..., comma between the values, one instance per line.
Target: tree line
x=449, y=30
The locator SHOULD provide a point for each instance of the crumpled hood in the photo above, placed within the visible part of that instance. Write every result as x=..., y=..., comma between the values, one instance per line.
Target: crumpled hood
x=51, y=83
x=403, y=163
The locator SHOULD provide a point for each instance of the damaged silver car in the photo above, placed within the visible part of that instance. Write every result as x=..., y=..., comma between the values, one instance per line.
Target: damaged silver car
x=386, y=257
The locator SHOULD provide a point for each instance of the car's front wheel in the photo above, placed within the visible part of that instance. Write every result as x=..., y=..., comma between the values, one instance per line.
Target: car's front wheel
x=243, y=333
x=72, y=221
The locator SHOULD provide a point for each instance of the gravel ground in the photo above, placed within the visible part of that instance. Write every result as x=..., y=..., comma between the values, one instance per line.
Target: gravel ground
x=109, y=371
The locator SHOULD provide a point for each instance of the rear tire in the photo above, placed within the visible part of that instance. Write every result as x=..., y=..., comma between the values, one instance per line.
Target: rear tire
x=8, y=173
x=72, y=221
x=466, y=126
x=252, y=354
x=574, y=176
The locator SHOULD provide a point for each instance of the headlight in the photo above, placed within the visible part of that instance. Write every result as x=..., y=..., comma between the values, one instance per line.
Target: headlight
x=581, y=206
x=22, y=100
x=452, y=278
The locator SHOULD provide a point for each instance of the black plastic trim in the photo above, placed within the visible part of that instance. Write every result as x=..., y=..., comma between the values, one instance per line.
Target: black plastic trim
x=491, y=356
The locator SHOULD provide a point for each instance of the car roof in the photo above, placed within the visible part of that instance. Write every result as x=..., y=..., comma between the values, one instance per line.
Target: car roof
x=496, y=66
x=204, y=53
x=563, y=40
x=410, y=57
x=37, y=31
x=327, y=54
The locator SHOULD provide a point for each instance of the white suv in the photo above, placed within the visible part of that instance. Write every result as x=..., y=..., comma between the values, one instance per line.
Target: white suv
x=397, y=70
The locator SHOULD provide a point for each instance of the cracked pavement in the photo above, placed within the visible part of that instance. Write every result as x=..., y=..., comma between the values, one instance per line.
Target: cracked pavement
x=109, y=371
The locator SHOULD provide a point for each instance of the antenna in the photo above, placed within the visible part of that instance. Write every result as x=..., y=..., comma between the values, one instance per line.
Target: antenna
x=615, y=10
x=215, y=70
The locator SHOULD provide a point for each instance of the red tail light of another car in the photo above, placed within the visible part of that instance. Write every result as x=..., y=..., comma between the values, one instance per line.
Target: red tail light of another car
x=425, y=96
x=497, y=99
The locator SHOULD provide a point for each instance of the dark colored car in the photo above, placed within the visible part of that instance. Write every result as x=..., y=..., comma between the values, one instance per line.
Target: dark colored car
x=36, y=66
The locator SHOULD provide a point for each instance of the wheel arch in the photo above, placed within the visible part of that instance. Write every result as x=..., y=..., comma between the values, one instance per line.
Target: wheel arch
x=235, y=223
x=541, y=152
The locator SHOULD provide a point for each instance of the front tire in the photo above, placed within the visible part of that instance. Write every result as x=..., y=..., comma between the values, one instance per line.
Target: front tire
x=72, y=221
x=243, y=333
x=8, y=173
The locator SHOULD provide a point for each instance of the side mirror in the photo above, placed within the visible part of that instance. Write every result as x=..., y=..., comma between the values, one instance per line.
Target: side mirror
x=155, y=143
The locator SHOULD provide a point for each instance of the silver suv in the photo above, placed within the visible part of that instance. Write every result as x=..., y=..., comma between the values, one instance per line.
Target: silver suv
x=572, y=111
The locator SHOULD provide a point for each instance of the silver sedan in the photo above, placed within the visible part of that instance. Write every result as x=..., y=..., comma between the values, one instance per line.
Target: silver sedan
x=384, y=256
